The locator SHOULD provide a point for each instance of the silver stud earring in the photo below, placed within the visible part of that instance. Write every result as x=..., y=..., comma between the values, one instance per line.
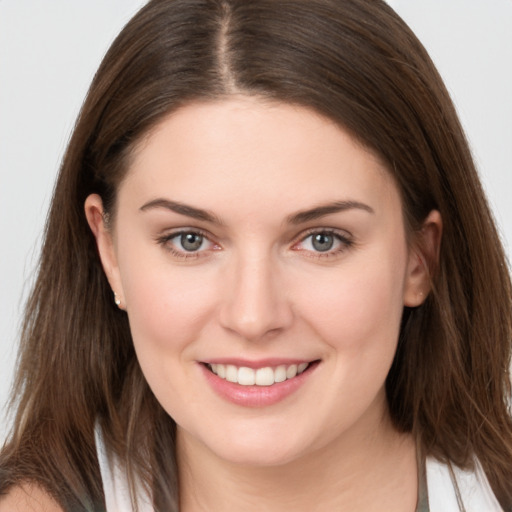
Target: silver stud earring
x=117, y=300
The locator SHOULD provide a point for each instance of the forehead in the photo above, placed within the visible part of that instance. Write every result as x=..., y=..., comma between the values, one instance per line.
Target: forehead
x=243, y=150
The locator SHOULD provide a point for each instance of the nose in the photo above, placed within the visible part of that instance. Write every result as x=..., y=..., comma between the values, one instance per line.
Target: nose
x=255, y=304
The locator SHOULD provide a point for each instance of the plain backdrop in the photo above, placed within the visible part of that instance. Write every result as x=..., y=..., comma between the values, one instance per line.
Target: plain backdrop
x=50, y=50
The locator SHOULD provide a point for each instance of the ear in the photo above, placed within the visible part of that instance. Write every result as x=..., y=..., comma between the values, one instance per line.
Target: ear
x=423, y=258
x=105, y=242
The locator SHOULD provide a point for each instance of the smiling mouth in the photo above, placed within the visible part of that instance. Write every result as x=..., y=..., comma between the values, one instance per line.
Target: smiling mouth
x=266, y=376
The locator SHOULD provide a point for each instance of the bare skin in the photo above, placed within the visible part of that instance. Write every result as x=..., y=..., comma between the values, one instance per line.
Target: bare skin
x=377, y=472
x=254, y=184
x=28, y=498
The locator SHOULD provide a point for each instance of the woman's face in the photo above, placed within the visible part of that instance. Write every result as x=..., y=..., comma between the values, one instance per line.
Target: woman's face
x=261, y=257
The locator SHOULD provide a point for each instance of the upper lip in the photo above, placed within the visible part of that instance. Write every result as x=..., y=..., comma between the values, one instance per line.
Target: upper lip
x=260, y=363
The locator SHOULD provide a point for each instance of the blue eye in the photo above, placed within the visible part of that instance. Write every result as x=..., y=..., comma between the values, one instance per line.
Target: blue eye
x=190, y=242
x=184, y=244
x=324, y=242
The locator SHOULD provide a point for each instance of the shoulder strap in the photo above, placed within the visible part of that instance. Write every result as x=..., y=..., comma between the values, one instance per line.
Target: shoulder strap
x=115, y=482
x=451, y=489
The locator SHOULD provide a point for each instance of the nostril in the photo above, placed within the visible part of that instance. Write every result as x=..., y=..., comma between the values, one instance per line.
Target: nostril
x=254, y=305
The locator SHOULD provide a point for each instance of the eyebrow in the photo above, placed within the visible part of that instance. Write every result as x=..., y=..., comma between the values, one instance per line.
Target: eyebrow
x=182, y=209
x=296, y=218
x=327, y=209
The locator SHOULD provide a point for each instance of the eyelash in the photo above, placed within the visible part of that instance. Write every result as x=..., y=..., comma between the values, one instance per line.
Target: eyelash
x=165, y=240
x=343, y=239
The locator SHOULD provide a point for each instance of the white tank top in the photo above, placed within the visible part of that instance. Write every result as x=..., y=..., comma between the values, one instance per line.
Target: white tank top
x=448, y=489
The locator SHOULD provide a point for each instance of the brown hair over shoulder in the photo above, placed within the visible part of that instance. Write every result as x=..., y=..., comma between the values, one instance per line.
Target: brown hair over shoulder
x=355, y=62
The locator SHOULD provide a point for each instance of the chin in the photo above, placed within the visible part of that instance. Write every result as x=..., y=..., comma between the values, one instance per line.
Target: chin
x=258, y=447
x=259, y=456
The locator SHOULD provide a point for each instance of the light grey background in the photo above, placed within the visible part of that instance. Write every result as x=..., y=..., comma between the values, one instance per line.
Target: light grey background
x=49, y=51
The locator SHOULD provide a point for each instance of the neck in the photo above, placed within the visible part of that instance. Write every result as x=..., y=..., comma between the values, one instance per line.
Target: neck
x=368, y=471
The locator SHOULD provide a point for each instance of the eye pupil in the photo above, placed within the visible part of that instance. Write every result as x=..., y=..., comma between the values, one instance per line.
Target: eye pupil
x=323, y=242
x=191, y=241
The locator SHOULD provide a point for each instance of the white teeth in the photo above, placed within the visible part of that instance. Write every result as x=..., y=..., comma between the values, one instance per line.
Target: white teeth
x=231, y=373
x=261, y=377
x=220, y=370
x=265, y=377
x=291, y=371
x=246, y=376
x=280, y=374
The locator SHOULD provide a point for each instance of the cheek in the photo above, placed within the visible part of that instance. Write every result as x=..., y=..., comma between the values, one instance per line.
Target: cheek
x=167, y=310
x=166, y=304
x=357, y=313
x=358, y=307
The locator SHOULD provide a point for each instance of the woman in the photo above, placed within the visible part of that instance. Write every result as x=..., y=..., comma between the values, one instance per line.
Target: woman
x=276, y=276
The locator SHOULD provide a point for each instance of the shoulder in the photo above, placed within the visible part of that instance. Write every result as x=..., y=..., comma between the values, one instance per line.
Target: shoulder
x=28, y=498
x=452, y=488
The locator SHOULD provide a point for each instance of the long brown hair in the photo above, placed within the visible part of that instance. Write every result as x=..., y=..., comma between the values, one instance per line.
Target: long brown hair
x=354, y=61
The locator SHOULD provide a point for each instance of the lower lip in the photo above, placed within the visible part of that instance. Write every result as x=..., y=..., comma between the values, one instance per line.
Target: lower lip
x=256, y=396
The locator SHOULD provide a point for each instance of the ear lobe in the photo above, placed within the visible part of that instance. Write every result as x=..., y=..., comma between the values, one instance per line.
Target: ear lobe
x=423, y=259
x=96, y=219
